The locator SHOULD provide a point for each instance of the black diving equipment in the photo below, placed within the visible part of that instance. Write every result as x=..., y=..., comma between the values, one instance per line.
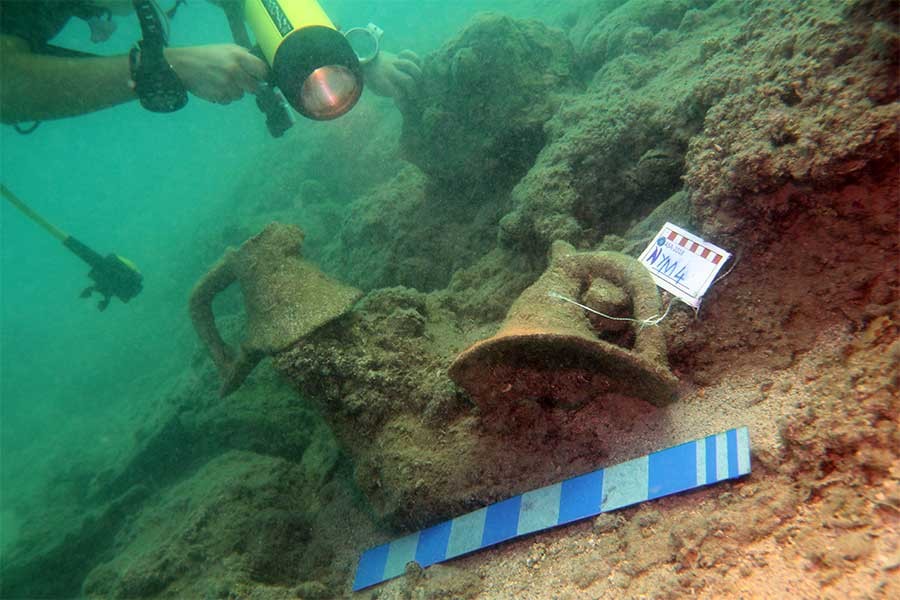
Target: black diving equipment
x=112, y=274
x=155, y=81
x=268, y=100
x=271, y=103
x=312, y=63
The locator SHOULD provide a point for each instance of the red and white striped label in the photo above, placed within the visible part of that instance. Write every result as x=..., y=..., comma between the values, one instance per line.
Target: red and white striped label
x=682, y=263
x=696, y=247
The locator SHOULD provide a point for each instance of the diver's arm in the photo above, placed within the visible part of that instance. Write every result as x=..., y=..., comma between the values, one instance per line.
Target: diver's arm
x=219, y=73
x=36, y=87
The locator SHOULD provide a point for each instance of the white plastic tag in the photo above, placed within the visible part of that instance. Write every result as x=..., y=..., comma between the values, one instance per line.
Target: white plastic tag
x=682, y=263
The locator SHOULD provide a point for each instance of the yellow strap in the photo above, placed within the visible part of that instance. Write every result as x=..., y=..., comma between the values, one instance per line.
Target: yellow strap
x=15, y=201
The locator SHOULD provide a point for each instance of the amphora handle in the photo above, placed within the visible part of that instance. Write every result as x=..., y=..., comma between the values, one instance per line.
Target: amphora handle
x=233, y=366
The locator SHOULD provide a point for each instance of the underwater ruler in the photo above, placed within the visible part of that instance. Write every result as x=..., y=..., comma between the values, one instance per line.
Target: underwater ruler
x=683, y=467
x=682, y=263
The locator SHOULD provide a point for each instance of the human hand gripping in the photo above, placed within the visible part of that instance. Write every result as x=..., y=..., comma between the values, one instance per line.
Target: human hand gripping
x=219, y=73
x=394, y=75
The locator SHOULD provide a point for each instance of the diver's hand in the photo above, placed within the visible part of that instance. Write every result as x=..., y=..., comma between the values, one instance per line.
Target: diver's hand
x=218, y=73
x=393, y=75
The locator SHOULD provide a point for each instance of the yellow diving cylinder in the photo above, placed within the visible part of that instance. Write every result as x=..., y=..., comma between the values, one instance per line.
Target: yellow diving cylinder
x=312, y=62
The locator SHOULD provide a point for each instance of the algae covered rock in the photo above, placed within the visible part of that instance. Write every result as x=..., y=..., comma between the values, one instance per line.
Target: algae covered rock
x=611, y=159
x=615, y=152
x=814, y=107
x=484, y=98
x=613, y=28
x=241, y=520
x=408, y=233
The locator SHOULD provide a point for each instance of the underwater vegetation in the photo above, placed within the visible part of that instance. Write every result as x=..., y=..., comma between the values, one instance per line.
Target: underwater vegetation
x=536, y=159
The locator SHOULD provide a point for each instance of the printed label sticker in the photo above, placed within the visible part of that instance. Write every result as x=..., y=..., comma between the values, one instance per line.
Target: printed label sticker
x=682, y=263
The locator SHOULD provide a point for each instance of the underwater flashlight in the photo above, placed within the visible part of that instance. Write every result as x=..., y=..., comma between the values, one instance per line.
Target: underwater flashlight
x=312, y=63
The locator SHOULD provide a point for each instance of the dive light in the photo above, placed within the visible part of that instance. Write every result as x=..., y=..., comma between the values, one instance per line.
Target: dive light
x=313, y=64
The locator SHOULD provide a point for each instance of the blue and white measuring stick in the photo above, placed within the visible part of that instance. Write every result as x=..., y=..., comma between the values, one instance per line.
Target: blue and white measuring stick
x=683, y=467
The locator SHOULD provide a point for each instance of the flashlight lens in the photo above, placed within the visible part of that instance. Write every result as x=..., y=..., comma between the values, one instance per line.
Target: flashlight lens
x=329, y=92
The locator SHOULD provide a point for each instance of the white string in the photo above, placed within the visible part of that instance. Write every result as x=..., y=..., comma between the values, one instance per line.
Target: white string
x=651, y=321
